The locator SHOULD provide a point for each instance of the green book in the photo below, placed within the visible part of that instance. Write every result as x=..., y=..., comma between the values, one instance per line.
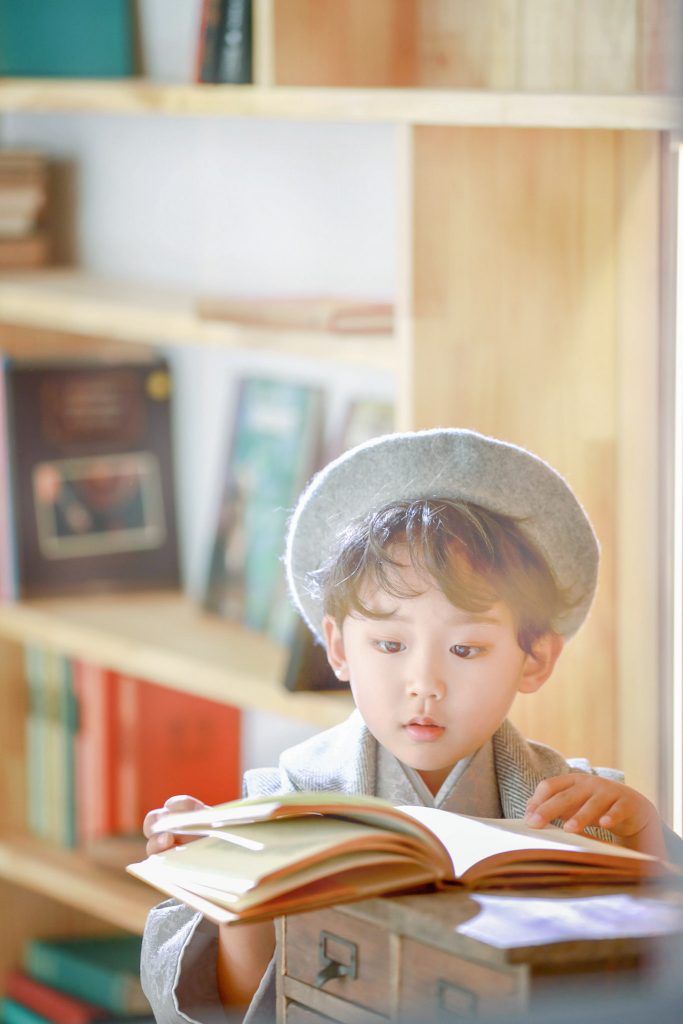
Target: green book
x=100, y=969
x=66, y=38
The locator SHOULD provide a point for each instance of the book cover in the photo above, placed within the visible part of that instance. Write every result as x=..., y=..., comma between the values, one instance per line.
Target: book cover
x=8, y=567
x=234, y=50
x=47, y=1003
x=100, y=969
x=288, y=853
x=66, y=38
x=92, y=475
x=96, y=751
x=274, y=450
x=209, y=40
x=172, y=742
x=307, y=664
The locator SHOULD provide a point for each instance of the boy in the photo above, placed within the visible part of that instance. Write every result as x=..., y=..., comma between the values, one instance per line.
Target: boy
x=443, y=570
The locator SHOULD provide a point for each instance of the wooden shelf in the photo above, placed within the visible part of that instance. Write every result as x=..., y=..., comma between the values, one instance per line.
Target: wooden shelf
x=69, y=877
x=165, y=638
x=396, y=106
x=73, y=301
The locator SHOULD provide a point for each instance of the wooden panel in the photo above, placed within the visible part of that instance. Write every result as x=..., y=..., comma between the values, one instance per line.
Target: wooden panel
x=434, y=983
x=34, y=916
x=466, y=45
x=347, y=938
x=345, y=42
x=660, y=46
x=516, y=331
x=639, y=610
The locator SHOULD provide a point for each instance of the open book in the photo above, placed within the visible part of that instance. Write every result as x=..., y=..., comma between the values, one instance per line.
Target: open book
x=262, y=857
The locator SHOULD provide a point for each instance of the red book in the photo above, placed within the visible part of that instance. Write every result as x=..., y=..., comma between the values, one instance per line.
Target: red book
x=50, y=1002
x=96, y=751
x=170, y=742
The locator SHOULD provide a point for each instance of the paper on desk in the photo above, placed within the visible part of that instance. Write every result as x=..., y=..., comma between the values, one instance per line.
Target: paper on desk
x=509, y=921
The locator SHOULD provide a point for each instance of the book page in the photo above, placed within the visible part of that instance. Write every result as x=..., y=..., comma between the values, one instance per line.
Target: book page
x=471, y=840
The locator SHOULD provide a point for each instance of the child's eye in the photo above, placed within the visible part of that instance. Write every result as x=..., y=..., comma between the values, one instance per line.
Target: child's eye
x=389, y=646
x=465, y=650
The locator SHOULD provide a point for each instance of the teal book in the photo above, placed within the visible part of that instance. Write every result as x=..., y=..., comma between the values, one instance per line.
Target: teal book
x=275, y=448
x=12, y=1012
x=36, y=747
x=66, y=38
x=100, y=969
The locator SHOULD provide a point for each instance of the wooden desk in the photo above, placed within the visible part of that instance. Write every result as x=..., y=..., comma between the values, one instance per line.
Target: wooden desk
x=463, y=954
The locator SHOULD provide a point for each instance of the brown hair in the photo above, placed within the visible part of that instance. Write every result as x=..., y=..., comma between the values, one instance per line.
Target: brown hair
x=476, y=557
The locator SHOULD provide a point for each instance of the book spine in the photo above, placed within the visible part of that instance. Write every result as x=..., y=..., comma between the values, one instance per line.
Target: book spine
x=95, y=752
x=116, y=990
x=35, y=742
x=8, y=556
x=69, y=726
x=13, y=1012
x=209, y=39
x=48, y=1002
x=234, y=53
x=128, y=744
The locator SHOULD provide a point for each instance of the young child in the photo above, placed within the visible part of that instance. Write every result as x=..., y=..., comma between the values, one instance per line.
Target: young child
x=443, y=570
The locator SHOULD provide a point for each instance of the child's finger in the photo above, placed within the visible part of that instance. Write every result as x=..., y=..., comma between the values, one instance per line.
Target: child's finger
x=160, y=842
x=547, y=789
x=589, y=813
x=183, y=802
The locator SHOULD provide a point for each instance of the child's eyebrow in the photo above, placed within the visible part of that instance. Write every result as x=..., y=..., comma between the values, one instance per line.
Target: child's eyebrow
x=465, y=619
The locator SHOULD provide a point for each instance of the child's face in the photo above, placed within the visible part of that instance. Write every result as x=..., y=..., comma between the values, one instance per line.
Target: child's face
x=433, y=682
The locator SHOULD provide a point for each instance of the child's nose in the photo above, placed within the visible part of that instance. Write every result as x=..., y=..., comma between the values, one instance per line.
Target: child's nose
x=426, y=683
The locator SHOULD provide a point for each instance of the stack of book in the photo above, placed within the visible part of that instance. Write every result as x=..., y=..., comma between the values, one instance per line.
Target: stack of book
x=104, y=748
x=78, y=980
x=23, y=203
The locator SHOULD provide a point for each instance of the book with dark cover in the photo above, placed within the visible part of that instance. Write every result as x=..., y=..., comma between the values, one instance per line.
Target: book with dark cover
x=209, y=40
x=100, y=969
x=91, y=475
x=67, y=38
x=234, y=50
x=275, y=448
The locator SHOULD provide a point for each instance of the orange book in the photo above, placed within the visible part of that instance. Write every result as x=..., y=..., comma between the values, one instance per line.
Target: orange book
x=172, y=742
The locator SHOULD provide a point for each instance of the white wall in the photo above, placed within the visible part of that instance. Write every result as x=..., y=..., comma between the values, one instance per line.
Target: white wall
x=235, y=205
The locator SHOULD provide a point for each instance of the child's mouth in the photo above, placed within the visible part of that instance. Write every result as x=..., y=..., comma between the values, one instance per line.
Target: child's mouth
x=424, y=730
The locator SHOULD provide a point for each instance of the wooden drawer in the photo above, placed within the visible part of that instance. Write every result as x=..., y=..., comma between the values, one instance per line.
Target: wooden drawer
x=315, y=943
x=435, y=984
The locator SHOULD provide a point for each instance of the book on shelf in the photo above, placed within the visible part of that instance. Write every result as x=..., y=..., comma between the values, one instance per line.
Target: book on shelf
x=66, y=38
x=47, y=1002
x=307, y=665
x=266, y=856
x=91, y=475
x=274, y=449
x=224, y=50
x=100, y=969
x=104, y=748
x=51, y=729
x=303, y=313
x=172, y=742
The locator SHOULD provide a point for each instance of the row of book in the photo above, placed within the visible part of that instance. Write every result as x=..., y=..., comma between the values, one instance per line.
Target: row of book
x=24, y=240
x=224, y=50
x=77, y=980
x=103, y=748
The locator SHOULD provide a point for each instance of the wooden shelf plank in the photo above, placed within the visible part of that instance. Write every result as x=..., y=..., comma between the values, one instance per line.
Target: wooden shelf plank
x=167, y=639
x=71, y=878
x=411, y=106
x=74, y=301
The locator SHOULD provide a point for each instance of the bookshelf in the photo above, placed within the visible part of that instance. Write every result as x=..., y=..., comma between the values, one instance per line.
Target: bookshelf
x=531, y=248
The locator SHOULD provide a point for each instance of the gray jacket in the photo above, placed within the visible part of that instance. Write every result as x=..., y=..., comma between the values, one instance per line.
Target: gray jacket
x=179, y=947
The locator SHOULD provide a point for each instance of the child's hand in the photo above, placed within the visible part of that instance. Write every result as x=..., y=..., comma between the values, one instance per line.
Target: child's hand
x=581, y=800
x=166, y=840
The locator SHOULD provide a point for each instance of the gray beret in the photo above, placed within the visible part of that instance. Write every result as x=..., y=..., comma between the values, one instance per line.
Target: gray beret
x=444, y=463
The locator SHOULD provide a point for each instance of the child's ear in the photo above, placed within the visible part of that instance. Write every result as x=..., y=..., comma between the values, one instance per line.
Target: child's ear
x=538, y=665
x=334, y=643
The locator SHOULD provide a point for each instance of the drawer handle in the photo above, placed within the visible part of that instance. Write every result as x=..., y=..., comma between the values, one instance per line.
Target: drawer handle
x=331, y=968
x=453, y=1000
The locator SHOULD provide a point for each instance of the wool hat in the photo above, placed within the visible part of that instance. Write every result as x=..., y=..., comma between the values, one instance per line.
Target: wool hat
x=443, y=463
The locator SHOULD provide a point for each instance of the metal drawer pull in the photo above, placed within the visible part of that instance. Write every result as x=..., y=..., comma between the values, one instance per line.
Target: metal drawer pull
x=331, y=968
x=453, y=1000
